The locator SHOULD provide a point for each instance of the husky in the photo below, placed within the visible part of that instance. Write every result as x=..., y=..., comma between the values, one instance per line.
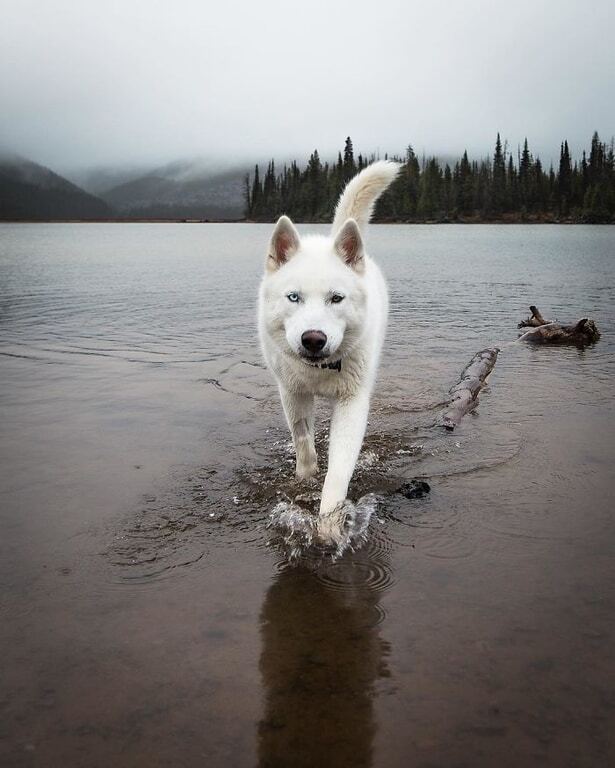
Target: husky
x=322, y=316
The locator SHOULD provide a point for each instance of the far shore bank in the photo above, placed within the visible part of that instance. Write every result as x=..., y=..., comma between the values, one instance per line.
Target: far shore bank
x=118, y=220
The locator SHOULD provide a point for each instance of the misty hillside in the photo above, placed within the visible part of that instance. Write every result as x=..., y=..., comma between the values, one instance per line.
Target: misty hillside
x=180, y=190
x=99, y=179
x=29, y=191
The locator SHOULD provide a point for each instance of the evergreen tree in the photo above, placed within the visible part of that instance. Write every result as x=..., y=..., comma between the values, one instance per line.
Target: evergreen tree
x=498, y=187
x=512, y=186
x=424, y=191
x=447, y=192
x=564, y=180
x=429, y=201
x=525, y=178
x=540, y=187
x=465, y=186
x=349, y=166
x=256, y=193
x=411, y=176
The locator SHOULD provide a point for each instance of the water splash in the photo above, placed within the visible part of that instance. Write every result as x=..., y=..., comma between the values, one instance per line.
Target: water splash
x=302, y=535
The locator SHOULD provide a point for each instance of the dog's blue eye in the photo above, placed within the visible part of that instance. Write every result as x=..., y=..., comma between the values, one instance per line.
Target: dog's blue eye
x=336, y=298
x=293, y=297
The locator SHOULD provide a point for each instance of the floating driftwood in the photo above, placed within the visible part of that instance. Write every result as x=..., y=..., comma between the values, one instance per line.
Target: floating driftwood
x=584, y=332
x=550, y=332
x=534, y=320
x=464, y=395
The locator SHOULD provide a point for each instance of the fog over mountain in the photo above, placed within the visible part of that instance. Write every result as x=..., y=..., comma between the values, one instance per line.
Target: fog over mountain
x=29, y=191
x=127, y=83
x=182, y=189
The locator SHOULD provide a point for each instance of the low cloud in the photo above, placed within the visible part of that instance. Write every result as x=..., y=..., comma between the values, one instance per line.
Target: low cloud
x=88, y=84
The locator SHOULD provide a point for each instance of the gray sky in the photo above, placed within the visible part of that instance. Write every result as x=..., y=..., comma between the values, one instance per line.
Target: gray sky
x=95, y=82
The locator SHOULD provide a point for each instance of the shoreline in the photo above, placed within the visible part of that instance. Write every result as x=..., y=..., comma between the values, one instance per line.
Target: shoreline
x=427, y=222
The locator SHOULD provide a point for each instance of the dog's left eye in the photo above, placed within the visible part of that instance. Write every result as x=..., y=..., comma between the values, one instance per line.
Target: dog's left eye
x=294, y=297
x=336, y=298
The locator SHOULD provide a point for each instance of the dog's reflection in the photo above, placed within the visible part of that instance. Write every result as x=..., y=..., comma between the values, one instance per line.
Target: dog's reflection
x=321, y=655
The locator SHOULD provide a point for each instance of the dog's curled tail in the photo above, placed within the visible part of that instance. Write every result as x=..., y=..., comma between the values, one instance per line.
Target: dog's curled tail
x=361, y=193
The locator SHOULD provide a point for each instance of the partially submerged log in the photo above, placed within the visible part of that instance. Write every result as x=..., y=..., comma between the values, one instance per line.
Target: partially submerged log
x=549, y=332
x=582, y=333
x=464, y=395
x=534, y=320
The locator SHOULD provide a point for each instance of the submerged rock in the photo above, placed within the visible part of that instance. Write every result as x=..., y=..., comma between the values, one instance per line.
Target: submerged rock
x=414, y=489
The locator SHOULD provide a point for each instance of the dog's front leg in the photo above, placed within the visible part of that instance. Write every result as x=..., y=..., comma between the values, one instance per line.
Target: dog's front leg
x=345, y=438
x=299, y=410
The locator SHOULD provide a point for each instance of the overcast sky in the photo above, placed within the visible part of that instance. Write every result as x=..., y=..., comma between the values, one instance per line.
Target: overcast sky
x=87, y=83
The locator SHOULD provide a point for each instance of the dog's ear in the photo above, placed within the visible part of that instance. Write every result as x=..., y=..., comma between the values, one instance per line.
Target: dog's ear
x=348, y=245
x=283, y=245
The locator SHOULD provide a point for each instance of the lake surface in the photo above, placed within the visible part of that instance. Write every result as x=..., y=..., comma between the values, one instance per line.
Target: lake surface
x=150, y=617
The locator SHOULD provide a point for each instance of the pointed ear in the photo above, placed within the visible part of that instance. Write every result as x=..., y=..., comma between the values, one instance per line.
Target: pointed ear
x=283, y=245
x=348, y=245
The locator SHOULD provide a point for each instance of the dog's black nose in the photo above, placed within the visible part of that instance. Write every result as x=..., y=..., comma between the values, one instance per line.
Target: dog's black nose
x=313, y=341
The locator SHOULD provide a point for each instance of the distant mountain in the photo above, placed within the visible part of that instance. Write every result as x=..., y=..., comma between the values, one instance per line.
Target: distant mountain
x=29, y=191
x=100, y=179
x=181, y=190
x=187, y=189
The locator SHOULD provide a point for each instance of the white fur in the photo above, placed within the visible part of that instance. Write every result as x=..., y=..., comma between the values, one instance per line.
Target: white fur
x=317, y=268
x=362, y=192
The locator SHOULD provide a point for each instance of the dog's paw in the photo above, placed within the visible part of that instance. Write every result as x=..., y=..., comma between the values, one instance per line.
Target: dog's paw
x=331, y=527
x=306, y=471
x=347, y=523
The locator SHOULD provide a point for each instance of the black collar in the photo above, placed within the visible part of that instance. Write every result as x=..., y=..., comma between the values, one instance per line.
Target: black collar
x=336, y=366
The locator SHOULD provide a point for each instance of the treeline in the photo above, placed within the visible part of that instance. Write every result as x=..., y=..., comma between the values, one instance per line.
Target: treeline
x=504, y=188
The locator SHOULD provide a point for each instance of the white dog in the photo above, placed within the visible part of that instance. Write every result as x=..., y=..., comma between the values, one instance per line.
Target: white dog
x=322, y=319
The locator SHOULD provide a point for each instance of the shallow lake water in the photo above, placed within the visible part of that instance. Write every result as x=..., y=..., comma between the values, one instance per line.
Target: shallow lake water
x=151, y=616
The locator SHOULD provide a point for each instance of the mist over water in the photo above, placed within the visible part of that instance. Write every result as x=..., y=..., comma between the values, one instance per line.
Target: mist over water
x=166, y=601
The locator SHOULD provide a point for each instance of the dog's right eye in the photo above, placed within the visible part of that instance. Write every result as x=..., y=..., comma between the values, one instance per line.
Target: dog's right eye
x=294, y=297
